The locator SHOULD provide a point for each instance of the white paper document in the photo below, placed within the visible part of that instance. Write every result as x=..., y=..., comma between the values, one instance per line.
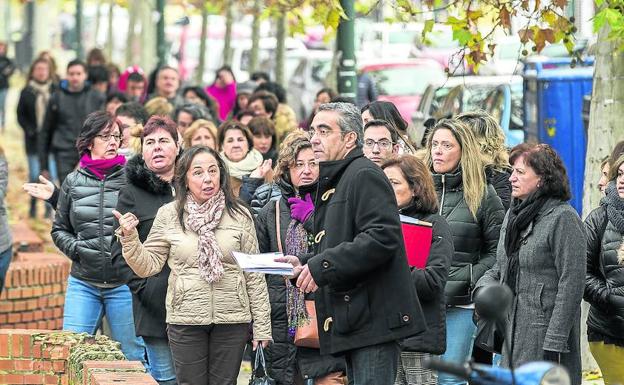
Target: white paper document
x=262, y=263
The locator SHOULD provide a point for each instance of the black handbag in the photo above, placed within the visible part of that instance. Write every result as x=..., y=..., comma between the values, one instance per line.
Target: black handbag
x=259, y=375
x=490, y=336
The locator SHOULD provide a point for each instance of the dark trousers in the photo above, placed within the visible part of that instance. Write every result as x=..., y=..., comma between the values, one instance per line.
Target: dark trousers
x=66, y=162
x=373, y=365
x=207, y=354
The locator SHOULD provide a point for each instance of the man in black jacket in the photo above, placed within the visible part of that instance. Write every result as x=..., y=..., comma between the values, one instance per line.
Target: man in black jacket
x=365, y=300
x=6, y=70
x=66, y=112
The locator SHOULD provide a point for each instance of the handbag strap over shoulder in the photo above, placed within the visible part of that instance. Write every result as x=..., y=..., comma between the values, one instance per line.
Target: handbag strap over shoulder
x=277, y=226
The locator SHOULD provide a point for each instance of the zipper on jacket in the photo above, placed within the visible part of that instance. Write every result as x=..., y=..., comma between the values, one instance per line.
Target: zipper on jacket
x=101, y=217
x=443, y=193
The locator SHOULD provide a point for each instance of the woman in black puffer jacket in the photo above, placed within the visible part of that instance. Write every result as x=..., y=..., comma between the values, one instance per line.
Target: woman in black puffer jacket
x=475, y=214
x=83, y=229
x=604, y=289
x=296, y=175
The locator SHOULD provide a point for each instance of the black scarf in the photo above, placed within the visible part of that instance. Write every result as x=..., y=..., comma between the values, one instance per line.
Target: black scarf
x=615, y=207
x=521, y=214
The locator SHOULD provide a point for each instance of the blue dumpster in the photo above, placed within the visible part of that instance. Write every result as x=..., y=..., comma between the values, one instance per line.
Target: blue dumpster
x=553, y=114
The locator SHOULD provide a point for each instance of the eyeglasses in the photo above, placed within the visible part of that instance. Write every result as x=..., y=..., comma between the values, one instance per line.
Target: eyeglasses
x=107, y=137
x=383, y=144
x=321, y=132
x=300, y=166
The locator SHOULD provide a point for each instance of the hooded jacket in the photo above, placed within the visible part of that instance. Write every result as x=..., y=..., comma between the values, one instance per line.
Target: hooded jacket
x=143, y=195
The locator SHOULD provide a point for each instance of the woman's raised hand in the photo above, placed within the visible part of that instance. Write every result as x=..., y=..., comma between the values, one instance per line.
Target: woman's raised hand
x=43, y=190
x=127, y=222
x=262, y=170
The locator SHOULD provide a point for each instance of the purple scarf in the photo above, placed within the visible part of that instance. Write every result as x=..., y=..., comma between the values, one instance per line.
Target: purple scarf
x=101, y=167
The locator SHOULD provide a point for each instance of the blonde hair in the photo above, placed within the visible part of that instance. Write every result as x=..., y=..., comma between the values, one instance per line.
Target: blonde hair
x=135, y=144
x=490, y=136
x=187, y=137
x=473, y=171
x=290, y=147
x=158, y=106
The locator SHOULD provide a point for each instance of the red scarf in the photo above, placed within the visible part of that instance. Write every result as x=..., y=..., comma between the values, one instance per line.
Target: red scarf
x=101, y=167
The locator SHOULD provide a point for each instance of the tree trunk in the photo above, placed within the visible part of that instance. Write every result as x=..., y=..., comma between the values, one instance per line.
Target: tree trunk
x=132, y=21
x=201, y=66
x=98, y=19
x=255, y=37
x=148, y=59
x=109, y=32
x=605, y=130
x=227, y=39
x=280, y=50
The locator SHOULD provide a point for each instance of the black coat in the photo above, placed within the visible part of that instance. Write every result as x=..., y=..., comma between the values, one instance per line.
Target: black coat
x=83, y=225
x=143, y=195
x=475, y=240
x=365, y=294
x=282, y=356
x=27, y=118
x=500, y=181
x=6, y=70
x=604, y=289
x=429, y=283
x=265, y=193
x=64, y=117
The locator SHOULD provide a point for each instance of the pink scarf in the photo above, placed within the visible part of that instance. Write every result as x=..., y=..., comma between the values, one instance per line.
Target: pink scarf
x=226, y=97
x=101, y=167
x=203, y=219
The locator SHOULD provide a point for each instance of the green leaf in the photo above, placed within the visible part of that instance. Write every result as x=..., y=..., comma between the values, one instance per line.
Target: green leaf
x=428, y=28
x=462, y=35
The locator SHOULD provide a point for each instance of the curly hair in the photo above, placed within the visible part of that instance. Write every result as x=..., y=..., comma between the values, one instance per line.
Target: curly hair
x=547, y=164
x=490, y=136
x=195, y=126
x=290, y=147
x=158, y=106
x=473, y=170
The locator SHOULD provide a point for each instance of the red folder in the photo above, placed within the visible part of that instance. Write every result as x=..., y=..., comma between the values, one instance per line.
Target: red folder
x=417, y=238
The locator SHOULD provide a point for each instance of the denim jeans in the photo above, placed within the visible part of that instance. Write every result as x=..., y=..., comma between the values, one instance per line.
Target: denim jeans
x=373, y=365
x=5, y=260
x=159, y=361
x=85, y=305
x=460, y=334
x=3, y=95
x=34, y=167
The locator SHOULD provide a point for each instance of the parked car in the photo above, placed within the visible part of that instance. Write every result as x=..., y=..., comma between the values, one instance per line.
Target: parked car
x=499, y=95
x=403, y=82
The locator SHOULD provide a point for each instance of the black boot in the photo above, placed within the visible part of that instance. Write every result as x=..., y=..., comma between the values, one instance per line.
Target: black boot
x=33, y=208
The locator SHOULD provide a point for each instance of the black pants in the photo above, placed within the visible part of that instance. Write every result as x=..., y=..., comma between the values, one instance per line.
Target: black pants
x=207, y=354
x=66, y=162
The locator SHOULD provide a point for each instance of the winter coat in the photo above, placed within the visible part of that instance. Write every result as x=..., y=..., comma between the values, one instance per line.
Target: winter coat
x=263, y=194
x=429, y=283
x=474, y=240
x=500, y=181
x=238, y=297
x=6, y=70
x=283, y=357
x=143, y=195
x=27, y=118
x=546, y=311
x=5, y=231
x=604, y=285
x=83, y=225
x=365, y=295
x=64, y=118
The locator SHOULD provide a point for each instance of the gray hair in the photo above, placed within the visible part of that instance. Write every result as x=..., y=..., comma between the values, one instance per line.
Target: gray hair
x=350, y=118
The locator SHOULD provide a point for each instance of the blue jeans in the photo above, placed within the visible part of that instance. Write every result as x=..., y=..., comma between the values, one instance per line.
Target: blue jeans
x=34, y=168
x=3, y=95
x=460, y=335
x=5, y=260
x=85, y=305
x=159, y=361
x=373, y=365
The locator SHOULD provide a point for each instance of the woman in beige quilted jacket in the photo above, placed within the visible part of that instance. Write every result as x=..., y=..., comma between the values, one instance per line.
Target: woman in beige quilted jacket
x=210, y=300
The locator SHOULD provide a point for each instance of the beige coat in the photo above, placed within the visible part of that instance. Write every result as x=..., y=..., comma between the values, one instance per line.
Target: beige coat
x=238, y=297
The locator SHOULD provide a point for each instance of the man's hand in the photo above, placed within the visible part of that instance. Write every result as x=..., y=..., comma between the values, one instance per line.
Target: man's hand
x=305, y=282
x=127, y=222
x=42, y=190
x=294, y=261
x=264, y=343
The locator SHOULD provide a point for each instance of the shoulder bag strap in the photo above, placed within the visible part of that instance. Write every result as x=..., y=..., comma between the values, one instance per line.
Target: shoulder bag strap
x=277, y=225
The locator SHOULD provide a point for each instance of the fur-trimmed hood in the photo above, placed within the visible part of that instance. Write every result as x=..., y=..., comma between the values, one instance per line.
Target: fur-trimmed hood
x=142, y=177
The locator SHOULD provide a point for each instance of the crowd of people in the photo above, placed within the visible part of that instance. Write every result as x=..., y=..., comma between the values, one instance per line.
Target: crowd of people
x=152, y=187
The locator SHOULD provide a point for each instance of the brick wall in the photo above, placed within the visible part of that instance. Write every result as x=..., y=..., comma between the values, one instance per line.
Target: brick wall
x=34, y=292
x=63, y=358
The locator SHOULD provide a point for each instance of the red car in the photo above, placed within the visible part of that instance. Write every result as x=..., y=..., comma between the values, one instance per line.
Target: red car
x=403, y=82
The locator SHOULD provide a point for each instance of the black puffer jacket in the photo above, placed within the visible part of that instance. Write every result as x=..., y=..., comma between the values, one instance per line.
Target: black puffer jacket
x=475, y=241
x=500, y=181
x=265, y=193
x=430, y=283
x=143, y=195
x=604, y=289
x=83, y=226
x=282, y=356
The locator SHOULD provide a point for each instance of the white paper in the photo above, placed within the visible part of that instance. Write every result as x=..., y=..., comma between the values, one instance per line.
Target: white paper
x=262, y=263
